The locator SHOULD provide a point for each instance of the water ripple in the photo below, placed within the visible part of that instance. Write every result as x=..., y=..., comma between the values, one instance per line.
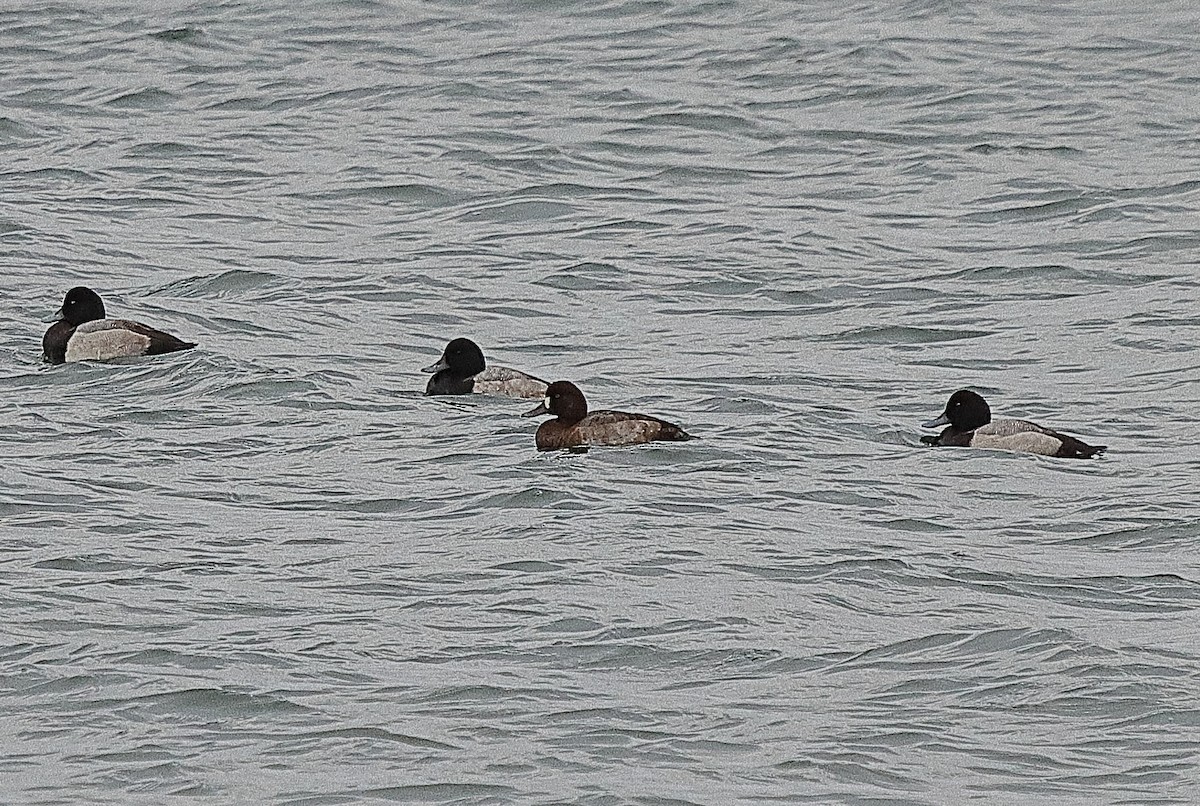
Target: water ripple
x=270, y=570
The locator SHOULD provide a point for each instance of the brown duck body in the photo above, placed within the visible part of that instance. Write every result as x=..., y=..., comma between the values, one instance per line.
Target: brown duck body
x=574, y=426
x=606, y=428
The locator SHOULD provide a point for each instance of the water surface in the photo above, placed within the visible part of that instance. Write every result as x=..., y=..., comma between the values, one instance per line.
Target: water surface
x=269, y=571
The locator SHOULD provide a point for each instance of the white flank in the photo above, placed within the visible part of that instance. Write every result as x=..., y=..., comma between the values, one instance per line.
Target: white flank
x=1025, y=442
x=104, y=340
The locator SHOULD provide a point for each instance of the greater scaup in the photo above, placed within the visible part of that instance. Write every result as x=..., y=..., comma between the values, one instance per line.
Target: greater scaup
x=969, y=424
x=462, y=371
x=574, y=426
x=82, y=333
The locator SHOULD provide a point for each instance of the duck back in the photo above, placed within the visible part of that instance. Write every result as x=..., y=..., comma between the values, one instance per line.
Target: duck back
x=510, y=382
x=608, y=428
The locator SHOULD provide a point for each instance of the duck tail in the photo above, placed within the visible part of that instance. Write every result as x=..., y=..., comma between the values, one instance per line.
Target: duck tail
x=674, y=433
x=1075, y=449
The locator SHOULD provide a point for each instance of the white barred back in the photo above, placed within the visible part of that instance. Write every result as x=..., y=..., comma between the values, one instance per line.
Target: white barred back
x=1016, y=435
x=105, y=339
x=511, y=382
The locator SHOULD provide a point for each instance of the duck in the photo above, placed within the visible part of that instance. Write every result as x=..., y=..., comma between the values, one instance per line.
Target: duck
x=462, y=371
x=83, y=333
x=968, y=421
x=574, y=426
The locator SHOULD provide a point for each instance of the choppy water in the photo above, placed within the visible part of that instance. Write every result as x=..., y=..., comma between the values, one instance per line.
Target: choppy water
x=270, y=571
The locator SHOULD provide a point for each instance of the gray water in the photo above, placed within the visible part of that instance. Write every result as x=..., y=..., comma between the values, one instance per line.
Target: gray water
x=270, y=571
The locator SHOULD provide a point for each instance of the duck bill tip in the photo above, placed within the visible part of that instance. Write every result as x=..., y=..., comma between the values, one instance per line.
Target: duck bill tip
x=537, y=410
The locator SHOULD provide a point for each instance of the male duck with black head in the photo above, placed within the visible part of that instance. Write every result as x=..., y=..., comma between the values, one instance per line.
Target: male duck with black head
x=969, y=423
x=82, y=333
x=462, y=371
x=574, y=426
